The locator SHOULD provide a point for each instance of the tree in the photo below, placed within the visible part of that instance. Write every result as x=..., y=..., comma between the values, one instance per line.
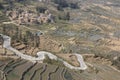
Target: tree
x=64, y=16
x=40, y=9
x=17, y=34
x=62, y=3
x=4, y=30
x=68, y=16
x=73, y=5
x=1, y=6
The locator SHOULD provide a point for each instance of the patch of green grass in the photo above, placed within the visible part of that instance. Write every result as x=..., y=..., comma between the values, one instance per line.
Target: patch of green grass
x=14, y=75
x=53, y=62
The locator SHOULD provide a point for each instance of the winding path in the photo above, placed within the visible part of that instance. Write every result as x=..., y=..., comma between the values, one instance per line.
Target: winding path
x=41, y=55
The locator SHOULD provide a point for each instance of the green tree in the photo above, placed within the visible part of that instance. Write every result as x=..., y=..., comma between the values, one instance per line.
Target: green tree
x=40, y=9
x=67, y=16
x=1, y=6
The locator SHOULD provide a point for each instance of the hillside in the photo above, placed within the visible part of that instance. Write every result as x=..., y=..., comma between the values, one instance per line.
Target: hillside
x=62, y=27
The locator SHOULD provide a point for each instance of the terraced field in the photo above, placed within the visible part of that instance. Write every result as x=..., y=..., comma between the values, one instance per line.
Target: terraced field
x=24, y=70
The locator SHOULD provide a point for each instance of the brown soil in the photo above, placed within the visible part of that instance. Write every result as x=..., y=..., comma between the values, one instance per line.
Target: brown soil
x=49, y=45
x=69, y=58
x=4, y=51
x=113, y=44
x=90, y=58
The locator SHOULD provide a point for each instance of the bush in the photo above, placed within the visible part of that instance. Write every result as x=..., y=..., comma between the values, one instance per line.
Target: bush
x=64, y=16
x=117, y=63
x=73, y=5
x=40, y=9
x=68, y=76
x=1, y=7
x=53, y=62
x=61, y=3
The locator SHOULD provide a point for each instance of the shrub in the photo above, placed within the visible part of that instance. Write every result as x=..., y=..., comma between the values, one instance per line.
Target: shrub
x=68, y=76
x=54, y=62
x=1, y=6
x=40, y=9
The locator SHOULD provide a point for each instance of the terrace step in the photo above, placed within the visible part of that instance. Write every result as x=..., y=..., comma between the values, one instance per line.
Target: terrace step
x=5, y=64
x=37, y=73
x=1, y=75
x=63, y=73
x=11, y=61
x=52, y=75
x=50, y=68
x=14, y=65
x=16, y=73
x=75, y=76
x=44, y=69
x=23, y=74
x=1, y=64
x=31, y=73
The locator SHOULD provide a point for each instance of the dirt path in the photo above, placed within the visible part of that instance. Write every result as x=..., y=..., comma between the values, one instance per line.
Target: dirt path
x=41, y=55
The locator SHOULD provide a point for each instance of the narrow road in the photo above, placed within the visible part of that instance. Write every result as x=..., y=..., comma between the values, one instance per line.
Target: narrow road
x=41, y=55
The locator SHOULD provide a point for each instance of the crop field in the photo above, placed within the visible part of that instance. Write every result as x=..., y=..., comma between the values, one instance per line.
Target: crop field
x=86, y=27
x=24, y=70
x=57, y=72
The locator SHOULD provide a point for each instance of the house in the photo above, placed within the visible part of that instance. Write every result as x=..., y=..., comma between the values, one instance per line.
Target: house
x=27, y=17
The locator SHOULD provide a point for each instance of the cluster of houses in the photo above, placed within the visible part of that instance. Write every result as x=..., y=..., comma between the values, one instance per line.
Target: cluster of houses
x=26, y=17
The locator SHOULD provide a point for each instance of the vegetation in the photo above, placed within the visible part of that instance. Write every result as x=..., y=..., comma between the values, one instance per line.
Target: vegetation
x=40, y=9
x=64, y=16
x=53, y=62
x=32, y=71
x=68, y=76
x=64, y=3
x=1, y=7
x=24, y=37
x=79, y=26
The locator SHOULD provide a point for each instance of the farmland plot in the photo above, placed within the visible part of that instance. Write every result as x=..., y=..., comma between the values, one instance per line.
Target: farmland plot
x=18, y=71
x=57, y=75
x=24, y=70
x=13, y=66
x=32, y=72
x=50, y=69
x=5, y=64
x=38, y=72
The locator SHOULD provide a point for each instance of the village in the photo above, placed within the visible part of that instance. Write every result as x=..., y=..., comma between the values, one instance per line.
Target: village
x=28, y=17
